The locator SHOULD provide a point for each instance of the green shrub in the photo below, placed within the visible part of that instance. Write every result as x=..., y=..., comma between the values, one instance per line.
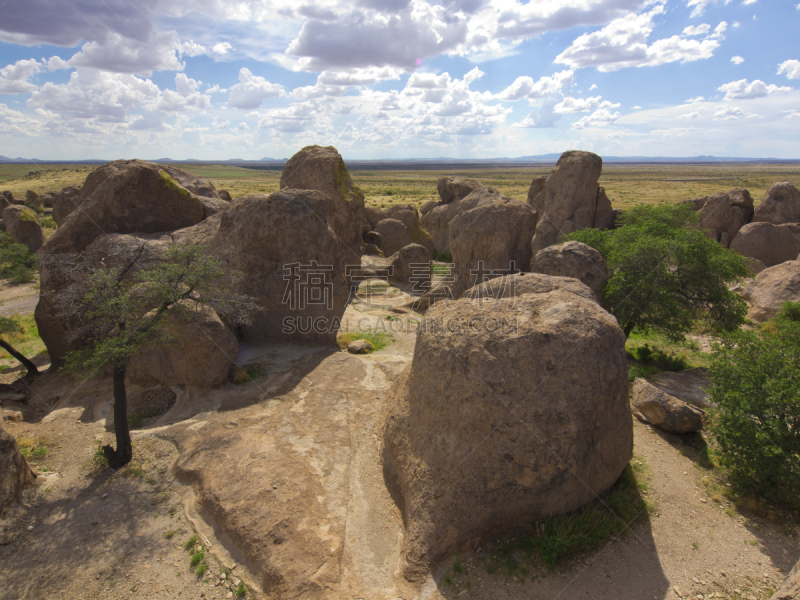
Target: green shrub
x=789, y=312
x=17, y=263
x=644, y=371
x=756, y=385
x=48, y=223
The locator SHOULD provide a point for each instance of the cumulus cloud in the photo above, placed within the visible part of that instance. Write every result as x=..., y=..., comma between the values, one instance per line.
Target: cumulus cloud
x=252, y=90
x=545, y=117
x=573, y=105
x=14, y=79
x=699, y=6
x=221, y=49
x=185, y=97
x=526, y=87
x=624, y=43
x=122, y=54
x=737, y=60
x=730, y=113
x=691, y=115
x=599, y=118
x=790, y=68
x=192, y=48
x=697, y=30
x=742, y=90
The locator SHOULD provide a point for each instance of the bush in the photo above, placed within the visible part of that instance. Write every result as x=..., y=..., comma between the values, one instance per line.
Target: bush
x=756, y=385
x=665, y=274
x=17, y=263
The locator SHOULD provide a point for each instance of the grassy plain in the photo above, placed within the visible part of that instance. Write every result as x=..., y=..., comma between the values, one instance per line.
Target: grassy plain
x=625, y=184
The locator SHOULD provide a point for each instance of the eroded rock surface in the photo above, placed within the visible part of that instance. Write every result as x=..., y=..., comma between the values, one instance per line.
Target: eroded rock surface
x=771, y=244
x=666, y=412
x=781, y=204
x=23, y=226
x=510, y=412
x=573, y=259
x=15, y=473
x=771, y=288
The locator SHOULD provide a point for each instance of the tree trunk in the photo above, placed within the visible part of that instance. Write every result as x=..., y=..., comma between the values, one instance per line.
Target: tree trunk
x=124, y=452
x=32, y=370
x=629, y=329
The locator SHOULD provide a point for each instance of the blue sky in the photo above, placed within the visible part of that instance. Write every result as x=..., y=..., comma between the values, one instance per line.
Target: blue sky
x=219, y=79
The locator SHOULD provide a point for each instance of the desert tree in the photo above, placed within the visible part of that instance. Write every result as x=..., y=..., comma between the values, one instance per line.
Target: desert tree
x=666, y=274
x=122, y=306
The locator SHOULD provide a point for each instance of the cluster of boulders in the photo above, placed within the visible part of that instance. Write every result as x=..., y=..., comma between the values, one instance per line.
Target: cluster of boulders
x=135, y=208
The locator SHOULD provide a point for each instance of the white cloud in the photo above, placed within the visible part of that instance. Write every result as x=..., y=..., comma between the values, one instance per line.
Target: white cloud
x=696, y=99
x=14, y=79
x=15, y=124
x=737, y=60
x=192, y=48
x=742, y=90
x=526, y=87
x=791, y=68
x=637, y=107
x=731, y=113
x=598, y=118
x=185, y=97
x=573, y=105
x=221, y=49
x=623, y=43
x=593, y=87
x=697, y=30
x=747, y=2
x=701, y=5
x=691, y=115
x=252, y=90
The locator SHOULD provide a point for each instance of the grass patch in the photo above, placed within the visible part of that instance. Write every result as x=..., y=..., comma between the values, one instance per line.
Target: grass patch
x=99, y=457
x=26, y=340
x=440, y=270
x=243, y=375
x=197, y=558
x=637, y=370
x=33, y=449
x=190, y=543
x=655, y=349
x=556, y=540
x=201, y=569
x=241, y=590
x=377, y=339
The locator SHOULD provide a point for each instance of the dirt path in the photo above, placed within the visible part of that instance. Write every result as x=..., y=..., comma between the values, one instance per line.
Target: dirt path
x=18, y=299
x=90, y=533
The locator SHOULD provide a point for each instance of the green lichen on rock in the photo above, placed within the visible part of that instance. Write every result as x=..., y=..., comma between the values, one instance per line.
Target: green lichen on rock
x=173, y=185
x=26, y=214
x=419, y=233
x=342, y=179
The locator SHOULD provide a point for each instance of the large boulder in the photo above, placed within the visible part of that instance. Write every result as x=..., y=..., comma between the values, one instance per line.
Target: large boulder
x=573, y=259
x=491, y=239
x=410, y=217
x=535, y=196
x=452, y=189
x=198, y=353
x=65, y=202
x=721, y=216
x=510, y=412
x=48, y=199
x=666, y=412
x=394, y=235
x=127, y=196
x=771, y=288
x=15, y=473
x=412, y=264
x=23, y=226
x=604, y=212
x=781, y=204
x=32, y=198
x=569, y=199
x=323, y=169
x=297, y=280
x=771, y=244
x=518, y=284
x=458, y=195
x=690, y=386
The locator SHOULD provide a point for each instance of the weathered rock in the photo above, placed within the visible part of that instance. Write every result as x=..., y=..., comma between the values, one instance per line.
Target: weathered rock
x=322, y=169
x=570, y=198
x=511, y=412
x=372, y=237
x=9, y=195
x=212, y=206
x=573, y=259
x=771, y=244
x=65, y=202
x=452, y=189
x=689, y=386
x=394, y=235
x=372, y=250
x=4, y=203
x=199, y=353
x=15, y=473
x=48, y=199
x=298, y=281
x=491, y=239
x=23, y=226
x=373, y=215
x=126, y=196
x=664, y=411
x=535, y=191
x=225, y=195
x=32, y=198
x=790, y=589
x=199, y=186
x=437, y=220
x=360, y=347
x=771, y=288
x=604, y=212
x=780, y=205
x=411, y=264
x=518, y=284
x=410, y=217
x=723, y=214
x=428, y=206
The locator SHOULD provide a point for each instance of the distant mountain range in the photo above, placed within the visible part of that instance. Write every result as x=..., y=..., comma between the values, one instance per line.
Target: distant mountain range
x=410, y=162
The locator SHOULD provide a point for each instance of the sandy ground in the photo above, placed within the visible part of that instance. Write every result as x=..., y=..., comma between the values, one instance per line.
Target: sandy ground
x=86, y=532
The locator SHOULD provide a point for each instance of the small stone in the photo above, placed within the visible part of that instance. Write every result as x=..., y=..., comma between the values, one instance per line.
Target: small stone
x=359, y=347
x=30, y=527
x=677, y=591
x=230, y=595
x=223, y=576
x=104, y=496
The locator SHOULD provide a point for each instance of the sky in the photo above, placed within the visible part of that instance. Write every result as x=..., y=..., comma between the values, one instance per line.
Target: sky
x=391, y=79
